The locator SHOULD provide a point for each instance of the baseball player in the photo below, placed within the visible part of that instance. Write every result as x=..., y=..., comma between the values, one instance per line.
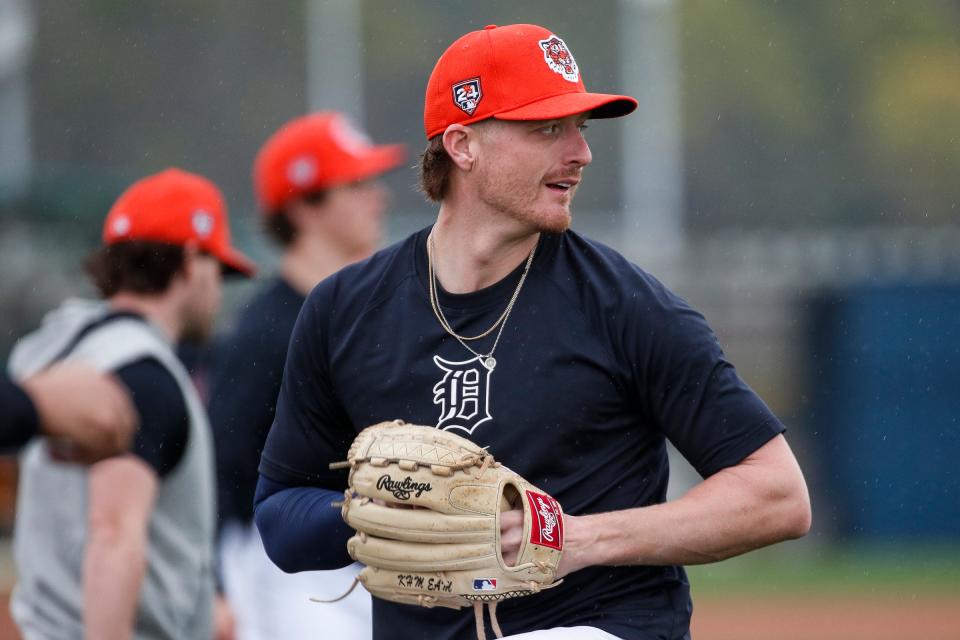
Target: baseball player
x=82, y=534
x=89, y=415
x=316, y=183
x=570, y=364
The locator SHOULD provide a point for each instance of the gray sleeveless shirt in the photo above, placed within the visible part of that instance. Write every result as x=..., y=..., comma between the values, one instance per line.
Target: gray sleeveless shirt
x=176, y=596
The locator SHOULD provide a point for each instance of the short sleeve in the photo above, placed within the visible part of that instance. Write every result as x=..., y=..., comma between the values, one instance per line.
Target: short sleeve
x=310, y=428
x=18, y=416
x=690, y=391
x=161, y=437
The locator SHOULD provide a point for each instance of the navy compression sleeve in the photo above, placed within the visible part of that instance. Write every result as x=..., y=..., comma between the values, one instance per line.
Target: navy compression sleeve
x=299, y=528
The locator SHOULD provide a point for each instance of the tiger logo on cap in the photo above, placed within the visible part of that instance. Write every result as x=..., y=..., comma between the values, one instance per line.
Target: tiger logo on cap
x=559, y=59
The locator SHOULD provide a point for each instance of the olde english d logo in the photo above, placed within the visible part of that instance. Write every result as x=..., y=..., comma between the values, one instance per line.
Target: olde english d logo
x=463, y=394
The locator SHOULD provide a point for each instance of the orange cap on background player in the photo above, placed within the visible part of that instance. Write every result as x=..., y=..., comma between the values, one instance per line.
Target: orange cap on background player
x=515, y=72
x=175, y=207
x=314, y=153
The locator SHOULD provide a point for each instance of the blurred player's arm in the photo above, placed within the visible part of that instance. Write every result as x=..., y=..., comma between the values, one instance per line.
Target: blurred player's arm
x=88, y=413
x=241, y=408
x=300, y=528
x=122, y=493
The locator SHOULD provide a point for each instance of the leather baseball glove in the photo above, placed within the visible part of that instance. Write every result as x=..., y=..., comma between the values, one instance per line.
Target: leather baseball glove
x=426, y=506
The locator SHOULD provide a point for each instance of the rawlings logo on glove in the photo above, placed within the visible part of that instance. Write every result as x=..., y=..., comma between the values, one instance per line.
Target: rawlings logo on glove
x=402, y=490
x=549, y=529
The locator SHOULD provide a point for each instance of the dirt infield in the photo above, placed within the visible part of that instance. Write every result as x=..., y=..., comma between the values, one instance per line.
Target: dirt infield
x=847, y=618
x=827, y=618
x=7, y=630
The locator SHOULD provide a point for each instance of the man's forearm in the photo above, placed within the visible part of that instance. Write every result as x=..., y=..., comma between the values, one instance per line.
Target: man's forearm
x=739, y=509
x=300, y=529
x=113, y=570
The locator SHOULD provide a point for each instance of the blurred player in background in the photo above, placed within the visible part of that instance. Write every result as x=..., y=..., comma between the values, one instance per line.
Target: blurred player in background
x=124, y=548
x=88, y=414
x=316, y=184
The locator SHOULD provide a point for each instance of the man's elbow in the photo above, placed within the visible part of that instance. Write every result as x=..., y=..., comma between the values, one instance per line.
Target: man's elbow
x=274, y=546
x=284, y=562
x=116, y=538
x=797, y=516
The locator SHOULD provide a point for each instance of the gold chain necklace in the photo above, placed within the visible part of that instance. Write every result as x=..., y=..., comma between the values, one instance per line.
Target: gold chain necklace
x=486, y=358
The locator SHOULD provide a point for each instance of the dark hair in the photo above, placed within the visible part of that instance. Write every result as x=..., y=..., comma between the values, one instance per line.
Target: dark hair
x=435, y=168
x=278, y=226
x=136, y=267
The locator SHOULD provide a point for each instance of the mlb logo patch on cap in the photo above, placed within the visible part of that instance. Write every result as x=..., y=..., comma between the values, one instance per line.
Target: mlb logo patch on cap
x=467, y=95
x=484, y=584
x=202, y=223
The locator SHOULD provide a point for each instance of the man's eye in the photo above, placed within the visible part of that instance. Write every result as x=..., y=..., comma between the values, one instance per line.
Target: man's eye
x=550, y=129
x=583, y=127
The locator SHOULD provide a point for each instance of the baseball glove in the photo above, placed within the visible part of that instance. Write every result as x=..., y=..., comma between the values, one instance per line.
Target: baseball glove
x=426, y=506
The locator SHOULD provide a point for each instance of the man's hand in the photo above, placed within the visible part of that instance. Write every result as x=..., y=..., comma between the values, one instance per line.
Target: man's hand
x=224, y=622
x=88, y=415
x=511, y=534
x=576, y=540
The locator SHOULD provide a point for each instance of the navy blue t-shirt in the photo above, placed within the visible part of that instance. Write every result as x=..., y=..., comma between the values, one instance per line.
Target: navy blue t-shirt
x=245, y=378
x=599, y=364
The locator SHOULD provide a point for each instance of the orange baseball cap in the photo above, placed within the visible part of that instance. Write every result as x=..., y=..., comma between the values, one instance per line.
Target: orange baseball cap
x=516, y=72
x=176, y=207
x=316, y=152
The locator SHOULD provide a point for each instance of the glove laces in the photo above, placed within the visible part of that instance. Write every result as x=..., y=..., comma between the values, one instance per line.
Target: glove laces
x=478, y=618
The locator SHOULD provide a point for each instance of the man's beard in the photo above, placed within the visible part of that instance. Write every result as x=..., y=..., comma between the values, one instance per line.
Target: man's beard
x=197, y=330
x=500, y=192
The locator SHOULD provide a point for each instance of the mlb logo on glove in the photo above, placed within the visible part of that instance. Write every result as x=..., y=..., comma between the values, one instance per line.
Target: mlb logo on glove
x=484, y=584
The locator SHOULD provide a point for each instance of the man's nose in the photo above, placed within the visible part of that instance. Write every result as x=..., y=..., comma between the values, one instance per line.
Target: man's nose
x=578, y=151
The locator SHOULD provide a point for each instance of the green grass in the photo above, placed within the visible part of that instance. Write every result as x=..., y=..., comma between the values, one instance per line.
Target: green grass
x=799, y=569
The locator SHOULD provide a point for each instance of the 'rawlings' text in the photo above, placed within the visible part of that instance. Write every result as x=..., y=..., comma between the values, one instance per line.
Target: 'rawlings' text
x=549, y=519
x=402, y=489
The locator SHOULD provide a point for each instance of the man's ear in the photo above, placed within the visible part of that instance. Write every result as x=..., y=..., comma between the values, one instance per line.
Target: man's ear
x=190, y=252
x=459, y=142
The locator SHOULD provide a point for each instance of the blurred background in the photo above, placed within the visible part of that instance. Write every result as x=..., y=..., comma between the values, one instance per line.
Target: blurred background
x=793, y=170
